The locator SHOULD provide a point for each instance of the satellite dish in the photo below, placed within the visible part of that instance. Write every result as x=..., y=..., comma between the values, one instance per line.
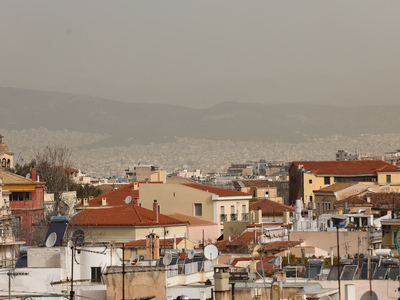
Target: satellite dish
x=77, y=237
x=190, y=254
x=210, y=252
x=128, y=199
x=51, y=240
x=134, y=259
x=367, y=296
x=345, y=256
x=167, y=259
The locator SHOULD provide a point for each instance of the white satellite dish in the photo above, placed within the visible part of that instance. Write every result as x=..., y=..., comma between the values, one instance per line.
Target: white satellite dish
x=190, y=254
x=211, y=252
x=128, y=199
x=134, y=259
x=367, y=296
x=167, y=259
x=51, y=240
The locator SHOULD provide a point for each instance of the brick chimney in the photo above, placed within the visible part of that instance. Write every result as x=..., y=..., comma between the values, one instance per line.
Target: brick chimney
x=34, y=178
x=155, y=211
x=136, y=201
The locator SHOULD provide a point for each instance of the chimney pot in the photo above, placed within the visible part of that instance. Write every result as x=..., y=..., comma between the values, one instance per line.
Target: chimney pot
x=155, y=211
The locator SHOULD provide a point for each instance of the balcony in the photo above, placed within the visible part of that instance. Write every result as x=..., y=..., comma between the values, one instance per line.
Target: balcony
x=223, y=217
x=245, y=216
x=234, y=217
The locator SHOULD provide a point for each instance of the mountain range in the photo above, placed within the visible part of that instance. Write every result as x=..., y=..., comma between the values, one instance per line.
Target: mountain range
x=141, y=123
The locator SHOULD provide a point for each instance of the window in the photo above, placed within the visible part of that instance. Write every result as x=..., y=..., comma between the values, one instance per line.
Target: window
x=20, y=196
x=243, y=209
x=222, y=210
x=310, y=198
x=327, y=180
x=310, y=181
x=198, y=210
x=232, y=209
x=96, y=274
x=388, y=179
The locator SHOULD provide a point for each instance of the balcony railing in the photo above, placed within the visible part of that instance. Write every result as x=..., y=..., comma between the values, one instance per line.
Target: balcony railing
x=245, y=216
x=223, y=217
x=234, y=217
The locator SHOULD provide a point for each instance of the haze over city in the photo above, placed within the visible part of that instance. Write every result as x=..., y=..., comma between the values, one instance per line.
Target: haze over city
x=201, y=53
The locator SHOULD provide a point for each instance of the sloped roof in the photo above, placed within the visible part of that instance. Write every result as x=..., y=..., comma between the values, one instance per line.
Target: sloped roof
x=9, y=178
x=191, y=220
x=336, y=187
x=269, y=206
x=124, y=215
x=384, y=200
x=254, y=183
x=163, y=242
x=353, y=201
x=117, y=197
x=217, y=191
x=265, y=259
x=347, y=167
x=279, y=246
x=244, y=238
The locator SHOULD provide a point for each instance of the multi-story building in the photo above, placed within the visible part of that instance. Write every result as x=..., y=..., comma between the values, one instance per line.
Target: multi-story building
x=258, y=188
x=307, y=176
x=344, y=155
x=145, y=173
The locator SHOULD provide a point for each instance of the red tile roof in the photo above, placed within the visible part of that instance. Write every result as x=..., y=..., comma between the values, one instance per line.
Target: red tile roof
x=124, y=215
x=268, y=206
x=353, y=201
x=163, y=242
x=336, y=187
x=347, y=167
x=280, y=246
x=244, y=238
x=265, y=259
x=218, y=191
x=117, y=197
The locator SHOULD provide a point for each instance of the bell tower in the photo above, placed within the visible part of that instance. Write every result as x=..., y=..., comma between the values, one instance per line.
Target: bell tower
x=6, y=157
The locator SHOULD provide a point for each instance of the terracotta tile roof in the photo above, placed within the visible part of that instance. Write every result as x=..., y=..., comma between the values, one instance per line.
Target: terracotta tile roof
x=268, y=206
x=244, y=238
x=191, y=220
x=125, y=215
x=254, y=183
x=384, y=201
x=347, y=167
x=163, y=242
x=117, y=197
x=217, y=191
x=280, y=246
x=9, y=178
x=336, y=187
x=353, y=201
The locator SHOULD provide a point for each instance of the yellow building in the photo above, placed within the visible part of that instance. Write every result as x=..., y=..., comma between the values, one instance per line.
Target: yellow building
x=258, y=188
x=307, y=176
x=205, y=202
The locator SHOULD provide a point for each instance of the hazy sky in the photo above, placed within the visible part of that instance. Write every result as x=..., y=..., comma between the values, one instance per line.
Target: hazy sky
x=199, y=53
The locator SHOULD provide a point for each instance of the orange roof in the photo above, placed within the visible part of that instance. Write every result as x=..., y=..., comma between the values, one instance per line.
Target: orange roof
x=163, y=242
x=217, y=191
x=117, y=197
x=245, y=238
x=352, y=201
x=347, y=167
x=268, y=206
x=280, y=246
x=265, y=260
x=124, y=215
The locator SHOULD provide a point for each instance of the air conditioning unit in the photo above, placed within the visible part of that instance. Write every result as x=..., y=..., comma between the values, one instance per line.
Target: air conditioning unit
x=142, y=257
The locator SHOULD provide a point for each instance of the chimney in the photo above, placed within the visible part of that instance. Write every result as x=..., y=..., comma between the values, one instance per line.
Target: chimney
x=155, y=211
x=79, y=201
x=135, y=186
x=91, y=197
x=34, y=174
x=104, y=201
x=368, y=199
x=85, y=202
x=136, y=201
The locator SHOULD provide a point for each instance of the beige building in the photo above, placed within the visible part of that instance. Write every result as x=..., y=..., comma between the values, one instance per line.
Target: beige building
x=326, y=197
x=204, y=202
x=6, y=156
x=145, y=173
x=258, y=188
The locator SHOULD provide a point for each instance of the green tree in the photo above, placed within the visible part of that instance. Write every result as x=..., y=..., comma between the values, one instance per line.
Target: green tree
x=86, y=191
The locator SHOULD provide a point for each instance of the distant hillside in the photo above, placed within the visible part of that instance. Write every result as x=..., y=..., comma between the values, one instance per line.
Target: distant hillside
x=140, y=123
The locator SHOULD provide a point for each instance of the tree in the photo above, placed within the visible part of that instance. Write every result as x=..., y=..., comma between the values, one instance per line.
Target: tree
x=86, y=191
x=53, y=165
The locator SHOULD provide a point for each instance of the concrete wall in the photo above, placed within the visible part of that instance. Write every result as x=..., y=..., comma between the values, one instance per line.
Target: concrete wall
x=138, y=281
x=327, y=239
x=195, y=233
